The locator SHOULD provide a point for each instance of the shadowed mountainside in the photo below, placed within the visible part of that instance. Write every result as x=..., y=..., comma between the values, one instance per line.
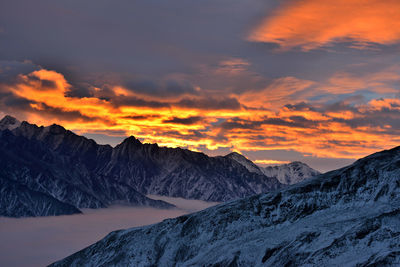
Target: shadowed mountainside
x=345, y=217
x=77, y=171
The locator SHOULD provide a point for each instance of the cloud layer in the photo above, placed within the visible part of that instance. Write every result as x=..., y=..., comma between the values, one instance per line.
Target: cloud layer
x=258, y=77
x=311, y=24
x=287, y=114
x=28, y=242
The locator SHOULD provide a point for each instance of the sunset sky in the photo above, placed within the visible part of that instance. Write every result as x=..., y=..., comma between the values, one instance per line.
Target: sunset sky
x=310, y=80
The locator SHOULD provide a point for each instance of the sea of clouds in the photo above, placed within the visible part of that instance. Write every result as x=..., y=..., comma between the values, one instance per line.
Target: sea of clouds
x=31, y=242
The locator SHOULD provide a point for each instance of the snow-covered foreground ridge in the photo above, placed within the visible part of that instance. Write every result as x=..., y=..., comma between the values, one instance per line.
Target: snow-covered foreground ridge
x=52, y=171
x=347, y=217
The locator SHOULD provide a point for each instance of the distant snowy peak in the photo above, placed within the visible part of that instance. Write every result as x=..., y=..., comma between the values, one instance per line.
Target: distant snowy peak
x=286, y=174
x=250, y=166
x=9, y=123
x=291, y=173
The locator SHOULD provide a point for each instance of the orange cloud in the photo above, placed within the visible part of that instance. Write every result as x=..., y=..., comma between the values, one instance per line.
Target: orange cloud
x=341, y=131
x=379, y=82
x=232, y=66
x=311, y=24
x=270, y=162
x=380, y=104
x=277, y=93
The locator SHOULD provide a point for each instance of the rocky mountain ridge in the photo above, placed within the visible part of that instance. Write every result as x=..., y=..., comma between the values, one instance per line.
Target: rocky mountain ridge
x=77, y=171
x=347, y=217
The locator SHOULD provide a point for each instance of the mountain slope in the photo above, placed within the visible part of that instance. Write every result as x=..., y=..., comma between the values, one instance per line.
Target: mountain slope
x=245, y=162
x=9, y=123
x=345, y=217
x=20, y=201
x=79, y=172
x=183, y=173
x=290, y=173
x=54, y=169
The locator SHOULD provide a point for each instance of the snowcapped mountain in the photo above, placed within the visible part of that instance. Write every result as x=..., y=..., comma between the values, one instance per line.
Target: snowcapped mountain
x=56, y=165
x=17, y=200
x=250, y=166
x=290, y=173
x=287, y=174
x=77, y=171
x=183, y=173
x=347, y=217
x=9, y=123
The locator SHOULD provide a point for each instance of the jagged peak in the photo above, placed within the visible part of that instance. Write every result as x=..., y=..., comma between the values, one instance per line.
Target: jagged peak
x=296, y=163
x=8, y=118
x=9, y=122
x=236, y=155
x=131, y=140
x=290, y=164
x=241, y=159
x=55, y=129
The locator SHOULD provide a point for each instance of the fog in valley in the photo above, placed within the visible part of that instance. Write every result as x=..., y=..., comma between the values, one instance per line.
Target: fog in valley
x=42, y=240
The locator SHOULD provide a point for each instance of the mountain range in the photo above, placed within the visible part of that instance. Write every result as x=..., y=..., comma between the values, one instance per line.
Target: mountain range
x=287, y=174
x=52, y=171
x=346, y=217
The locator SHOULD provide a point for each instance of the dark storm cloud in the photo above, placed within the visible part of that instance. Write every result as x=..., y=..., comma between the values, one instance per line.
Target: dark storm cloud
x=361, y=115
x=347, y=143
x=138, y=102
x=149, y=38
x=300, y=106
x=10, y=70
x=209, y=103
x=80, y=90
x=166, y=88
x=141, y=117
x=43, y=84
x=190, y=56
x=237, y=123
x=381, y=119
x=269, y=137
x=9, y=101
x=155, y=39
x=192, y=135
x=62, y=114
x=294, y=121
x=185, y=121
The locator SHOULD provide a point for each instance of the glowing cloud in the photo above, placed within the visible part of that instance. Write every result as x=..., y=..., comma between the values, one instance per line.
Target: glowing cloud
x=311, y=24
x=270, y=162
x=251, y=121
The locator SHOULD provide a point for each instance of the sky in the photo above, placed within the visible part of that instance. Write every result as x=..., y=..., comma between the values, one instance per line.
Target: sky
x=40, y=241
x=278, y=81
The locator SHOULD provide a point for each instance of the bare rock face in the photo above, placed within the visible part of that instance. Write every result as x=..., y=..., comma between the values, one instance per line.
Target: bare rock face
x=347, y=217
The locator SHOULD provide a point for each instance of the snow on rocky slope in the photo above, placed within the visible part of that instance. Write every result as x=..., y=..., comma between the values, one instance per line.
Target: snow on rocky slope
x=17, y=200
x=9, y=123
x=250, y=166
x=286, y=174
x=76, y=171
x=50, y=167
x=290, y=173
x=347, y=217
